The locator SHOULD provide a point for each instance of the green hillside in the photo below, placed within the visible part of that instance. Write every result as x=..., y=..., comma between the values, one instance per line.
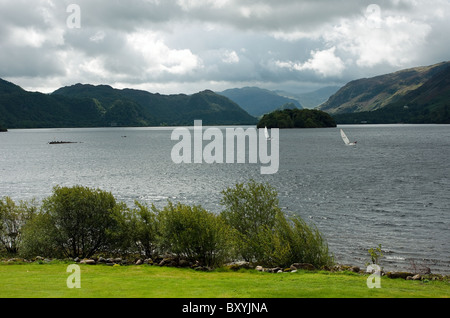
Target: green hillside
x=370, y=94
x=102, y=106
x=429, y=103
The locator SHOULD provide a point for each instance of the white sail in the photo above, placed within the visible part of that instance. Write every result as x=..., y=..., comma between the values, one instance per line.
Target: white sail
x=346, y=140
x=266, y=133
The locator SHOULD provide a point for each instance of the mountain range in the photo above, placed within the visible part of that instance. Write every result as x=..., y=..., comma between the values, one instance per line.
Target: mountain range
x=84, y=105
x=257, y=101
x=415, y=95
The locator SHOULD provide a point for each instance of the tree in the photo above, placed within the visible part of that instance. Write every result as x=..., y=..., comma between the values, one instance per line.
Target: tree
x=81, y=220
x=250, y=209
x=265, y=235
x=12, y=219
x=195, y=234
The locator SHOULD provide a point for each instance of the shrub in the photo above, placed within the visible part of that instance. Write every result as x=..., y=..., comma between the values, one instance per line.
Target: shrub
x=138, y=231
x=195, y=234
x=75, y=222
x=291, y=241
x=265, y=235
x=12, y=219
x=250, y=209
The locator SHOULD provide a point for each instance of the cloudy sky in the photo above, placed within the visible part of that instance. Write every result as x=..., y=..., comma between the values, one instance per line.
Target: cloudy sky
x=185, y=46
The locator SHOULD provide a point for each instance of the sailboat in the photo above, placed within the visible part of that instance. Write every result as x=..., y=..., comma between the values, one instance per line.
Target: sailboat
x=266, y=133
x=346, y=140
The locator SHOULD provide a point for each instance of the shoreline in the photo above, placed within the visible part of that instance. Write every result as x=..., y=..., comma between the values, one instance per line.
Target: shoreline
x=233, y=267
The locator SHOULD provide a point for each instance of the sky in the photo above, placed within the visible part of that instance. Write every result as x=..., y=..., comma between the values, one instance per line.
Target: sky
x=186, y=46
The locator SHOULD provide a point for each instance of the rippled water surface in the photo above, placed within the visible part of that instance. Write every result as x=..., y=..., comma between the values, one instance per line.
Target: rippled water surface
x=392, y=189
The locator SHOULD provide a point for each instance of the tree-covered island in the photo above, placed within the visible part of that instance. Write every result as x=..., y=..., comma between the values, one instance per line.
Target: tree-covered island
x=297, y=118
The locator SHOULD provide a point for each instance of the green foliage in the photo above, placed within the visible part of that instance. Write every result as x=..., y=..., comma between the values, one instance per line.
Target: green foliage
x=39, y=238
x=375, y=254
x=12, y=219
x=265, y=235
x=195, y=234
x=138, y=231
x=93, y=106
x=294, y=241
x=78, y=220
x=81, y=222
x=296, y=118
x=249, y=209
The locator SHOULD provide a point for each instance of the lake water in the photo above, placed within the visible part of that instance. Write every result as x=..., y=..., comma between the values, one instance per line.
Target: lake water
x=391, y=189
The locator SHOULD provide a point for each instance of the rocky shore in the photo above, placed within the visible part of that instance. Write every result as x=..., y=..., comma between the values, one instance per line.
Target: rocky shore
x=170, y=261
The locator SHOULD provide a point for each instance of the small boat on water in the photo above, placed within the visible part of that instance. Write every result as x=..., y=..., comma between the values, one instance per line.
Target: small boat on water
x=61, y=142
x=346, y=140
x=266, y=134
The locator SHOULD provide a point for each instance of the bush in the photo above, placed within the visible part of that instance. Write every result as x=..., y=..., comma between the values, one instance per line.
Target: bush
x=293, y=241
x=250, y=209
x=195, y=234
x=266, y=236
x=74, y=222
x=138, y=231
x=12, y=219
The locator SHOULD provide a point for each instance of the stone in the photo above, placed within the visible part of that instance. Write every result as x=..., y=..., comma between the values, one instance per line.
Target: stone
x=355, y=269
x=138, y=262
x=183, y=263
x=101, y=260
x=88, y=262
x=259, y=268
x=238, y=265
x=304, y=266
x=417, y=277
x=403, y=275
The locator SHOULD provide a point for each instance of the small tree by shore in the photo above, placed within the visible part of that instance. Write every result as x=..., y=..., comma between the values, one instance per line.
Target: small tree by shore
x=265, y=235
x=73, y=222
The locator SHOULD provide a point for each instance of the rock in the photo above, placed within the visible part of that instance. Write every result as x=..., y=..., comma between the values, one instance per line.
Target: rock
x=184, y=263
x=259, y=268
x=238, y=265
x=304, y=266
x=403, y=275
x=101, y=260
x=355, y=269
x=148, y=261
x=138, y=262
x=417, y=277
x=88, y=262
x=165, y=262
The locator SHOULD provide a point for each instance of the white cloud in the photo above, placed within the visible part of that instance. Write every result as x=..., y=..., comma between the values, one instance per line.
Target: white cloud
x=394, y=42
x=325, y=63
x=189, y=43
x=230, y=57
x=157, y=57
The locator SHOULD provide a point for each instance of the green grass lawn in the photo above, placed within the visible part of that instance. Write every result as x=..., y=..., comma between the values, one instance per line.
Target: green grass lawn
x=99, y=281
